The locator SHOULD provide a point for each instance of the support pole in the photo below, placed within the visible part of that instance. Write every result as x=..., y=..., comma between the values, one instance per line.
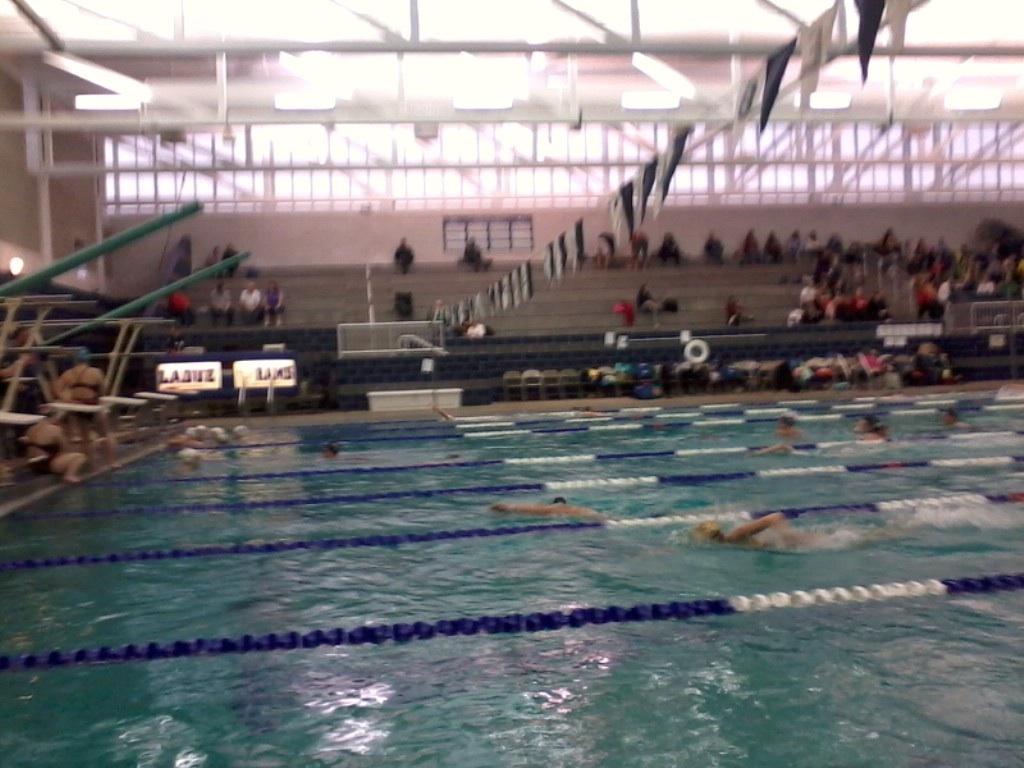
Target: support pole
x=78, y=258
x=136, y=305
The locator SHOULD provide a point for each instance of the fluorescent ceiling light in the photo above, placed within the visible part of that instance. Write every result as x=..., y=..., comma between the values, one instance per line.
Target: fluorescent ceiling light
x=110, y=102
x=665, y=76
x=483, y=100
x=304, y=100
x=827, y=100
x=97, y=75
x=650, y=100
x=321, y=69
x=973, y=99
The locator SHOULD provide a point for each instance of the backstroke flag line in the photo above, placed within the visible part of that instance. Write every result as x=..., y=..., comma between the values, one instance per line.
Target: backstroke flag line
x=774, y=71
x=870, y=20
x=668, y=161
x=814, y=43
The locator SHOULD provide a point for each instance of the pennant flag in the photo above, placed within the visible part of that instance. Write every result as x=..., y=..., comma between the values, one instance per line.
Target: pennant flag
x=517, y=296
x=622, y=214
x=646, y=178
x=549, y=262
x=814, y=42
x=506, y=292
x=577, y=256
x=870, y=20
x=528, y=272
x=896, y=12
x=561, y=253
x=480, y=306
x=524, y=288
x=494, y=295
x=668, y=161
x=774, y=71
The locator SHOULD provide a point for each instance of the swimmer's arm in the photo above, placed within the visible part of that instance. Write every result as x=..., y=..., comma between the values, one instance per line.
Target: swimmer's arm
x=773, y=449
x=747, y=530
x=548, y=510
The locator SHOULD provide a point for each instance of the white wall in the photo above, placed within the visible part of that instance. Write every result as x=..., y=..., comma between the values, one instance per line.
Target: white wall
x=19, y=195
x=295, y=239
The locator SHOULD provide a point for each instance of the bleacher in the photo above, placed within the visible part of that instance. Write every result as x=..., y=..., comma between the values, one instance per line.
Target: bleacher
x=581, y=303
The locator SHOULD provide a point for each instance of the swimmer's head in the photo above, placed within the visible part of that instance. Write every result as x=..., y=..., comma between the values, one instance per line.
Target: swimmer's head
x=950, y=417
x=559, y=500
x=787, y=421
x=330, y=451
x=707, y=531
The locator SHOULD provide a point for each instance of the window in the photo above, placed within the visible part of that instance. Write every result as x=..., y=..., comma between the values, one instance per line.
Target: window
x=503, y=234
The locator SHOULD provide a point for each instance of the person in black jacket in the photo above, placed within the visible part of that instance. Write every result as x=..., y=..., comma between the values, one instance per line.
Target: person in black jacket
x=404, y=257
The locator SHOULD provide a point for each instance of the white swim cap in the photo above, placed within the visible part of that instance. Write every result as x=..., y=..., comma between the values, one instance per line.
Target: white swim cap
x=189, y=455
x=241, y=430
x=190, y=432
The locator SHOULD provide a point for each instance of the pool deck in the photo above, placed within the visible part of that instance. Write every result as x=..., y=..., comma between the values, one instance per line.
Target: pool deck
x=31, y=492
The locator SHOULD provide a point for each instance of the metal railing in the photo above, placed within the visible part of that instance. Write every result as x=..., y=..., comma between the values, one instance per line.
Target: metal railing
x=422, y=338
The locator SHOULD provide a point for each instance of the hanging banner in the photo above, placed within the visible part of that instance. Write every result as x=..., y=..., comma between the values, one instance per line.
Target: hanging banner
x=774, y=71
x=668, y=161
x=646, y=178
x=896, y=13
x=870, y=21
x=814, y=44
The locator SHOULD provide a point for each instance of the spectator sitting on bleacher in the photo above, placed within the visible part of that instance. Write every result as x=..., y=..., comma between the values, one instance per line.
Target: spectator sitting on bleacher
x=273, y=303
x=605, y=253
x=927, y=298
x=859, y=305
x=473, y=257
x=669, y=250
x=179, y=307
x=639, y=250
x=645, y=303
x=250, y=304
x=734, y=312
x=834, y=244
x=808, y=294
x=888, y=245
x=878, y=308
x=404, y=257
x=714, y=251
x=987, y=287
x=795, y=246
x=750, y=251
x=773, y=249
x=221, y=305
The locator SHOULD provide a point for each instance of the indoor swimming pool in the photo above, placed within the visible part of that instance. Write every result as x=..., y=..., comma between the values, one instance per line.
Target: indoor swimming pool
x=269, y=536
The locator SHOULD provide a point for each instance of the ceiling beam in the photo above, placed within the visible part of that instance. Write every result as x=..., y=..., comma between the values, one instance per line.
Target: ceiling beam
x=618, y=46
x=40, y=24
x=208, y=119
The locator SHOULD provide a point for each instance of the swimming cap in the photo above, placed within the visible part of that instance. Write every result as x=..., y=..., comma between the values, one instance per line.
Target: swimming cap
x=709, y=530
x=787, y=421
x=559, y=500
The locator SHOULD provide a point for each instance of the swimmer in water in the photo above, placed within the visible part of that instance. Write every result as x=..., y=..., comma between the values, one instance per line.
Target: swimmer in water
x=951, y=419
x=330, y=451
x=786, y=429
x=871, y=430
x=557, y=508
x=769, y=532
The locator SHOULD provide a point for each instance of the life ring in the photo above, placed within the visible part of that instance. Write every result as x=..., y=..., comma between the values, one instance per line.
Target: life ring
x=696, y=351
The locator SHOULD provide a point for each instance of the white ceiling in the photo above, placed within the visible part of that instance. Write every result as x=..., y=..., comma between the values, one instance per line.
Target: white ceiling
x=172, y=45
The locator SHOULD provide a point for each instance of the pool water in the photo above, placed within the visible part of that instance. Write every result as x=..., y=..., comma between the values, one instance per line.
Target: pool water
x=925, y=682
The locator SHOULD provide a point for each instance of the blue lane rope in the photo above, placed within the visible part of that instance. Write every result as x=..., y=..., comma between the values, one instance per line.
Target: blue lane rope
x=399, y=539
x=541, y=460
x=852, y=411
x=656, y=412
x=513, y=623
x=554, y=485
